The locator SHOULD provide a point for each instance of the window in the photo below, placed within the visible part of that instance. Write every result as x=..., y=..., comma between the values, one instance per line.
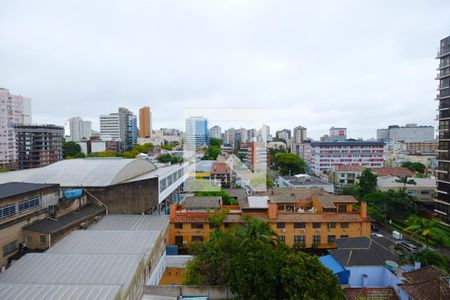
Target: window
x=331, y=225
x=344, y=236
x=10, y=248
x=29, y=204
x=197, y=238
x=331, y=239
x=43, y=239
x=344, y=225
x=197, y=225
x=342, y=208
x=179, y=225
x=316, y=239
x=316, y=225
x=179, y=240
x=281, y=225
x=299, y=240
x=281, y=239
x=299, y=225
x=7, y=211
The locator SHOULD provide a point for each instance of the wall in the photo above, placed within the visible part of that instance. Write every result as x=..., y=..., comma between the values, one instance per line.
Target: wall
x=128, y=198
x=376, y=276
x=212, y=292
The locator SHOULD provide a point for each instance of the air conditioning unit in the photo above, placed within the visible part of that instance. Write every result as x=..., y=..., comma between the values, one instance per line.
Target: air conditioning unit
x=302, y=230
x=184, y=243
x=283, y=230
x=344, y=230
x=318, y=230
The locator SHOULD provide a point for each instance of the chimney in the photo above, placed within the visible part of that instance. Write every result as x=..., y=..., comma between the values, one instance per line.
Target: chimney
x=173, y=212
x=273, y=209
x=363, y=210
x=417, y=265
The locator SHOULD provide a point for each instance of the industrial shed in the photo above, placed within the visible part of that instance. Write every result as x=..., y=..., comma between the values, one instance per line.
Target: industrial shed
x=57, y=292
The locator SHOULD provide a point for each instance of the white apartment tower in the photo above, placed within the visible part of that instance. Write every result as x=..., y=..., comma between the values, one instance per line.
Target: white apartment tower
x=14, y=110
x=77, y=130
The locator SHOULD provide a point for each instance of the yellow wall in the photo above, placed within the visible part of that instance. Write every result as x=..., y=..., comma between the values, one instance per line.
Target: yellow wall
x=173, y=276
x=354, y=230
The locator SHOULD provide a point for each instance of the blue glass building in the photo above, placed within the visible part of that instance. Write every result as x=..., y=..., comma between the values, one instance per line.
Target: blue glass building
x=196, y=132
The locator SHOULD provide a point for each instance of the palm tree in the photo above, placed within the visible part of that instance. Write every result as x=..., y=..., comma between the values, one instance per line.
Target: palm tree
x=426, y=228
x=257, y=230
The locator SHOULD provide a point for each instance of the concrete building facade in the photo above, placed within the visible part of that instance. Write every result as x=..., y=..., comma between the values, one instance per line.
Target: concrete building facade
x=38, y=145
x=331, y=155
x=442, y=203
x=407, y=133
x=145, y=122
x=14, y=110
x=76, y=129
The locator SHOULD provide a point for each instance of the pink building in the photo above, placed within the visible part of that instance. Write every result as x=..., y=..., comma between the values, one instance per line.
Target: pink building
x=14, y=110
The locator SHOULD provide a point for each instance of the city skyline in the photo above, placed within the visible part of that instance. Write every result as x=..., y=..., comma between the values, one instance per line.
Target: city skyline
x=337, y=71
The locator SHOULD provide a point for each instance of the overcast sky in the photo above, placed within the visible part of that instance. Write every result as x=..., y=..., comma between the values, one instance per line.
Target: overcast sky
x=358, y=64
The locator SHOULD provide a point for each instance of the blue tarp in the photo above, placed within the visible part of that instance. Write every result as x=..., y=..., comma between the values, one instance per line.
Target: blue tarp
x=336, y=268
x=72, y=194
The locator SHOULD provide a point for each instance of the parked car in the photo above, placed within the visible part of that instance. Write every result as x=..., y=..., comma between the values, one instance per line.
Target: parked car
x=408, y=246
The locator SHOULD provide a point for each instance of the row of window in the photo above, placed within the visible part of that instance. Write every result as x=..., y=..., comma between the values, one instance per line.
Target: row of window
x=279, y=225
x=10, y=210
x=166, y=182
x=10, y=248
x=316, y=240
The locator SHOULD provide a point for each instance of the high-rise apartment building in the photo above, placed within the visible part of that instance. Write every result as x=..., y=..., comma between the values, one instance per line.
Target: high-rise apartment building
x=410, y=133
x=145, y=122
x=299, y=135
x=336, y=134
x=121, y=126
x=215, y=132
x=197, y=134
x=284, y=134
x=14, y=110
x=330, y=155
x=38, y=145
x=442, y=203
x=77, y=130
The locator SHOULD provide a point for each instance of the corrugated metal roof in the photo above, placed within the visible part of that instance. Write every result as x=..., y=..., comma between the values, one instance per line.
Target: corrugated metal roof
x=96, y=172
x=106, y=242
x=78, y=269
x=202, y=202
x=57, y=292
x=132, y=222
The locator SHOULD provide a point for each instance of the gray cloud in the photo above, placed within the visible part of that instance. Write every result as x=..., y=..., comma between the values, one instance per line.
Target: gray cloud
x=360, y=64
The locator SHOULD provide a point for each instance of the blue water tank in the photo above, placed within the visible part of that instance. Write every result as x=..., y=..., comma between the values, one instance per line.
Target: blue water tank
x=72, y=194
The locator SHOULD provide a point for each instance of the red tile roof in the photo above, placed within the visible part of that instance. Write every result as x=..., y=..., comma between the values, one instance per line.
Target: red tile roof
x=381, y=172
x=427, y=283
x=370, y=293
x=220, y=168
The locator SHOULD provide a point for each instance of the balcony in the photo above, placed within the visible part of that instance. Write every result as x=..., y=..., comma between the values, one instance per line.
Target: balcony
x=443, y=74
x=443, y=156
x=442, y=53
x=444, y=65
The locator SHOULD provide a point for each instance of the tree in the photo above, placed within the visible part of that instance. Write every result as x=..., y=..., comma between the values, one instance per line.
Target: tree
x=215, y=142
x=254, y=267
x=428, y=257
x=167, y=158
x=289, y=164
x=427, y=229
x=321, y=283
x=415, y=166
x=367, y=183
x=70, y=149
x=211, y=153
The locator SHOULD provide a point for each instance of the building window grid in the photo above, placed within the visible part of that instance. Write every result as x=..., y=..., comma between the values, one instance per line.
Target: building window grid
x=10, y=247
x=7, y=211
x=299, y=225
x=316, y=239
x=29, y=204
x=299, y=240
x=316, y=225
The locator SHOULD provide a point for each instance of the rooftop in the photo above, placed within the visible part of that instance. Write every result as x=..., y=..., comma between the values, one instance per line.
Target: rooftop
x=203, y=202
x=390, y=182
x=11, y=189
x=427, y=283
x=56, y=292
x=106, y=242
x=95, y=172
x=347, y=143
x=381, y=172
x=307, y=180
x=387, y=293
x=51, y=225
x=83, y=269
x=363, y=251
x=132, y=223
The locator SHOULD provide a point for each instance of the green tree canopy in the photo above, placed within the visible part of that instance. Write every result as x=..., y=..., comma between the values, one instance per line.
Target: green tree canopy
x=211, y=153
x=215, y=142
x=167, y=158
x=428, y=230
x=415, y=166
x=367, y=183
x=289, y=164
x=247, y=259
x=69, y=149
